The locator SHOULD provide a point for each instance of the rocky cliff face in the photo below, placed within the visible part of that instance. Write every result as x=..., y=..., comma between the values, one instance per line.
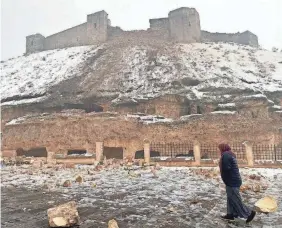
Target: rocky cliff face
x=124, y=73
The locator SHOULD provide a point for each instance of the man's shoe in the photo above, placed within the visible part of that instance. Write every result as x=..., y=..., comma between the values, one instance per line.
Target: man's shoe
x=251, y=217
x=228, y=217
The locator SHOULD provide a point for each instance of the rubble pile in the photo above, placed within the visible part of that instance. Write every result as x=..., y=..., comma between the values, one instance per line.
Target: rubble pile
x=251, y=182
x=122, y=186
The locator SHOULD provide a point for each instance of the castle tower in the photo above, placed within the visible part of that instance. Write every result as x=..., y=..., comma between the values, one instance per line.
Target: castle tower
x=248, y=38
x=97, y=27
x=35, y=43
x=184, y=25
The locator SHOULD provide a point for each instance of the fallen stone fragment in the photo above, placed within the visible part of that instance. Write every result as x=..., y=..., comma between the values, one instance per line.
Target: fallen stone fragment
x=129, y=164
x=89, y=172
x=244, y=188
x=256, y=188
x=266, y=205
x=79, y=179
x=37, y=164
x=10, y=186
x=65, y=215
x=194, y=201
x=70, y=165
x=208, y=175
x=133, y=174
x=98, y=168
x=252, y=177
x=158, y=167
x=154, y=172
x=67, y=183
x=112, y=224
x=258, y=178
x=171, y=209
x=264, y=187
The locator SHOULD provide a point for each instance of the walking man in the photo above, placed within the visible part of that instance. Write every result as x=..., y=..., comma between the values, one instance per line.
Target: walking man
x=231, y=177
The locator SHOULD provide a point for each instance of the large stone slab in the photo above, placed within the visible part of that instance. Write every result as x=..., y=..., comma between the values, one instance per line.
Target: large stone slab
x=112, y=224
x=64, y=215
x=266, y=205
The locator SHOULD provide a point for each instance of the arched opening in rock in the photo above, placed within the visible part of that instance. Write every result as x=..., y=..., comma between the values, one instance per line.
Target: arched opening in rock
x=87, y=107
x=140, y=154
x=33, y=152
x=20, y=152
x=113, y=152
x=77, y=152
x=199, y=110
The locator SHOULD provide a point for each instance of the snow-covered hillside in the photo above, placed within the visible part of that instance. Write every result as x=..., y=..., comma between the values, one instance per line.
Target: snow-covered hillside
x=133, y=72
x=33, y=75
x=194, y=69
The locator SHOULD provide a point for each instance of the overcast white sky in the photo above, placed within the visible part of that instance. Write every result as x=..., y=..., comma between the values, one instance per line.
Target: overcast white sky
x=20, y=18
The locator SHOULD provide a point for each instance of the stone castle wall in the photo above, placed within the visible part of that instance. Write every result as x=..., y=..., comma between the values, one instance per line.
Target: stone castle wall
x=94, y=31
x=138, y=35
x=75, y=36
x=246, y=38
x=159, y=24
x=181, y=25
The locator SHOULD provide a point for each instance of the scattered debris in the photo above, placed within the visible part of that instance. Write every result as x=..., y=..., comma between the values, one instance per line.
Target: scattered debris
x=69, y=165
x=132, y=173
x=194, y=201
x=256, y=188
x=176, y=187
x=154, y=172
x=244, y=188
x=255, y=177
x=67, y=183
x=79, y=179
x=158, y=167
x=171, y=210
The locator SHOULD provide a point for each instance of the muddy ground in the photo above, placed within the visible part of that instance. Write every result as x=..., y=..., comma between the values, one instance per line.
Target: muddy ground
x=177, y=198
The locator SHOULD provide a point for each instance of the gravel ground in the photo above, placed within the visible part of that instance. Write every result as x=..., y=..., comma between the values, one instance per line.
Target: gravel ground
x=177, y=197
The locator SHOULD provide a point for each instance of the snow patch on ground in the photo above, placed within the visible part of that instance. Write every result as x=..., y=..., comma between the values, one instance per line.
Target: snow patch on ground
x=227, y=105
x=150, y=201
x=190, y=116
x=225, y=112
x=149, y=119
x=24, y=101
x=22, y=119
x=256, y=96
x=277, y=107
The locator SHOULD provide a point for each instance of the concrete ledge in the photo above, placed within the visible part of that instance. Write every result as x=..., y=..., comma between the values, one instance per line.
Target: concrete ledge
x=76, y=160
x=192, y=164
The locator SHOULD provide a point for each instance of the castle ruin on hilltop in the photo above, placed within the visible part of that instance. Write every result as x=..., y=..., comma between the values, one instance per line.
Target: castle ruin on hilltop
x=182, y=25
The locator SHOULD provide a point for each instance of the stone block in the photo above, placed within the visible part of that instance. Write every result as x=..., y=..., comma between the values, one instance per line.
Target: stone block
x=65, y=215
